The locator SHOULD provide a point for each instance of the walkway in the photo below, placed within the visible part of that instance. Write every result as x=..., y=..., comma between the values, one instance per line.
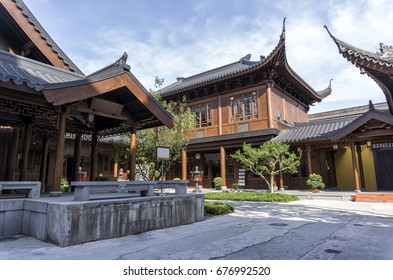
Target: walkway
x=305, y=229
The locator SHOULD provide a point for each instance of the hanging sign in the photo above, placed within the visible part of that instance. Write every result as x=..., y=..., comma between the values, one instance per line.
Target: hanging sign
x=163, y=152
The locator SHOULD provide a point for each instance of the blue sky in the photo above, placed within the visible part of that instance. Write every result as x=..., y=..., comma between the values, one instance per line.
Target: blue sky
x=172, y=38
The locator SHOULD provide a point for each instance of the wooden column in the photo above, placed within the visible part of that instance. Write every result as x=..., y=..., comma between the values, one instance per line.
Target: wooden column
x=93, y=156
x=183, y=165
x=59, y=157
x=309, y=162
x=281, y=182
x=355, y=168
x=25, y=152
x=269, y=105
x=44, y=161
x=13, y=155
x=133, y=154
x=223, y=167
x=219, y=116
x=360, y=161
x=77, y=156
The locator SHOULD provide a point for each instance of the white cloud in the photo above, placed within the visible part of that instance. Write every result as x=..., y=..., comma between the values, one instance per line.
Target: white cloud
x=209, y=38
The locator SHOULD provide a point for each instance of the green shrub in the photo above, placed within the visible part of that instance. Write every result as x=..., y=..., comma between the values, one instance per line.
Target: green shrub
x=217, y=181
x=64, y=185
x=235, y=186
x=251, y=196
x=315, y=181
x=216, y=208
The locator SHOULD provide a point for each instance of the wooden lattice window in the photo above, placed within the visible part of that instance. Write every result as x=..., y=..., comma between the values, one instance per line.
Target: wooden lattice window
x=244, y=107
x=202, y=114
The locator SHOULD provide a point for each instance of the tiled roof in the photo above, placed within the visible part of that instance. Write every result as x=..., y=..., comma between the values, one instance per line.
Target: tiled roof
x=34, y=74
x=44, y=35
x=313, y=130
x=226, y=70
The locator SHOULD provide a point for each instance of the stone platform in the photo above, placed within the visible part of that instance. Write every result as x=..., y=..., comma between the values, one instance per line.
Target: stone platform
x=64, y=222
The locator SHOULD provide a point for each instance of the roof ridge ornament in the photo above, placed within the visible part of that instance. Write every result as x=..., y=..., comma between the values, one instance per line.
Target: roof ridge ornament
x=122, y=61
x=282, y=36
x=385, y=52
x=247, y=57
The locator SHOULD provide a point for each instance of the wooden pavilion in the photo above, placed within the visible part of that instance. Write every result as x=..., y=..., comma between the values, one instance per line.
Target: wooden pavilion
x=44, y=96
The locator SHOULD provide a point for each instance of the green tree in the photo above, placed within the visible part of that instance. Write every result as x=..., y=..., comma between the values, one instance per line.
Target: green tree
x=269, y=159
x=175, y=139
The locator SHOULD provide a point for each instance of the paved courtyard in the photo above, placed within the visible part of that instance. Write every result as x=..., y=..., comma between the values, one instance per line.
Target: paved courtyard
x=305, y=229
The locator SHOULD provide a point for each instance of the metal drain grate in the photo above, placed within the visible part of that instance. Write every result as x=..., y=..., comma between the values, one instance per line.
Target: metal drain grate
x=332, y=251
x=278, y=224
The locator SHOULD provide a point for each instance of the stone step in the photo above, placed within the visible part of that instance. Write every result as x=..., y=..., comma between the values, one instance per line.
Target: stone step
x=368, y=197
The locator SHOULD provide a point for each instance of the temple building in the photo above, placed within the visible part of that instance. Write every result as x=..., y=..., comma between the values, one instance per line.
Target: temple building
x=52, y=115
x=245, y=101
x=257, y=101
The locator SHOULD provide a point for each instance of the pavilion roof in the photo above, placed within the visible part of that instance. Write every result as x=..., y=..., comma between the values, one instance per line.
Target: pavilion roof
x=113, y=94
x=34, y=74
x=275, y=60
x=37, y=34
x=377, y=65
x=372, y=124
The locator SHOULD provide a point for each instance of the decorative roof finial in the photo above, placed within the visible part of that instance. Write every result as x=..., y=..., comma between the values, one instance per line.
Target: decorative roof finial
x=123, y=62
x=282, y=36
x=247, y=57
x=371, y=105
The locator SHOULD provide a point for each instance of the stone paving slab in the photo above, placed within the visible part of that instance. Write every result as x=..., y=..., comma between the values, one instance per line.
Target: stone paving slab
x=305, y=229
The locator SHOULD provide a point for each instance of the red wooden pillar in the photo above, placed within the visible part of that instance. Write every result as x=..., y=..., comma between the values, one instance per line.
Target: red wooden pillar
x=223, y=170
x=183, y=165
x=133, y=154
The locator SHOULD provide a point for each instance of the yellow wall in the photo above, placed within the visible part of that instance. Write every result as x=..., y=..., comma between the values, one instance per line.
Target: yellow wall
x=344, y=171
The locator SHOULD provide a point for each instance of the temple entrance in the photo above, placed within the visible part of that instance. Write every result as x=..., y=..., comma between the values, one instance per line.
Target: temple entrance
x=383, y=162
x=215, y=172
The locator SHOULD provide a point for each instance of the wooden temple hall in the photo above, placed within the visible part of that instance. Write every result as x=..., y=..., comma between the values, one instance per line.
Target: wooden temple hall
x=256, y=101
x=54, y=118
x=49, y=109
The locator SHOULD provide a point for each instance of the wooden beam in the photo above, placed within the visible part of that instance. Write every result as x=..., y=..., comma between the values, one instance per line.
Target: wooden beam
x=61, y=96
x=59, y=157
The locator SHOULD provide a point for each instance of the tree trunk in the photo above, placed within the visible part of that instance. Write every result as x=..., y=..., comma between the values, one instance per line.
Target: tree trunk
x=271, y=183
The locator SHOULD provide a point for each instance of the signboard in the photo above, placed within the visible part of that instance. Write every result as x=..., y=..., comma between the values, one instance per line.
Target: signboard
x=163, y=152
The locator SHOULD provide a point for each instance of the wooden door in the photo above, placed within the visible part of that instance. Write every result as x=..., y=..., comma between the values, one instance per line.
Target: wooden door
x=383, y=162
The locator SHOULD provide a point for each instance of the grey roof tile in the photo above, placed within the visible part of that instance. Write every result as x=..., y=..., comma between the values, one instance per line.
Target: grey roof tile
x=44, y=35
x=34, y=74
x=314, y=130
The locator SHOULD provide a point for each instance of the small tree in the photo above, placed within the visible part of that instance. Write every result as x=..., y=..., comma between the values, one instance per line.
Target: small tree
x=269, y=159
x=315, y=181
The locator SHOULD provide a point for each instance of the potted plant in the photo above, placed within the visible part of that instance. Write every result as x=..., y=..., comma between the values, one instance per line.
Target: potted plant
x=64, y=185
x=217, y=181
x=315, y=182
